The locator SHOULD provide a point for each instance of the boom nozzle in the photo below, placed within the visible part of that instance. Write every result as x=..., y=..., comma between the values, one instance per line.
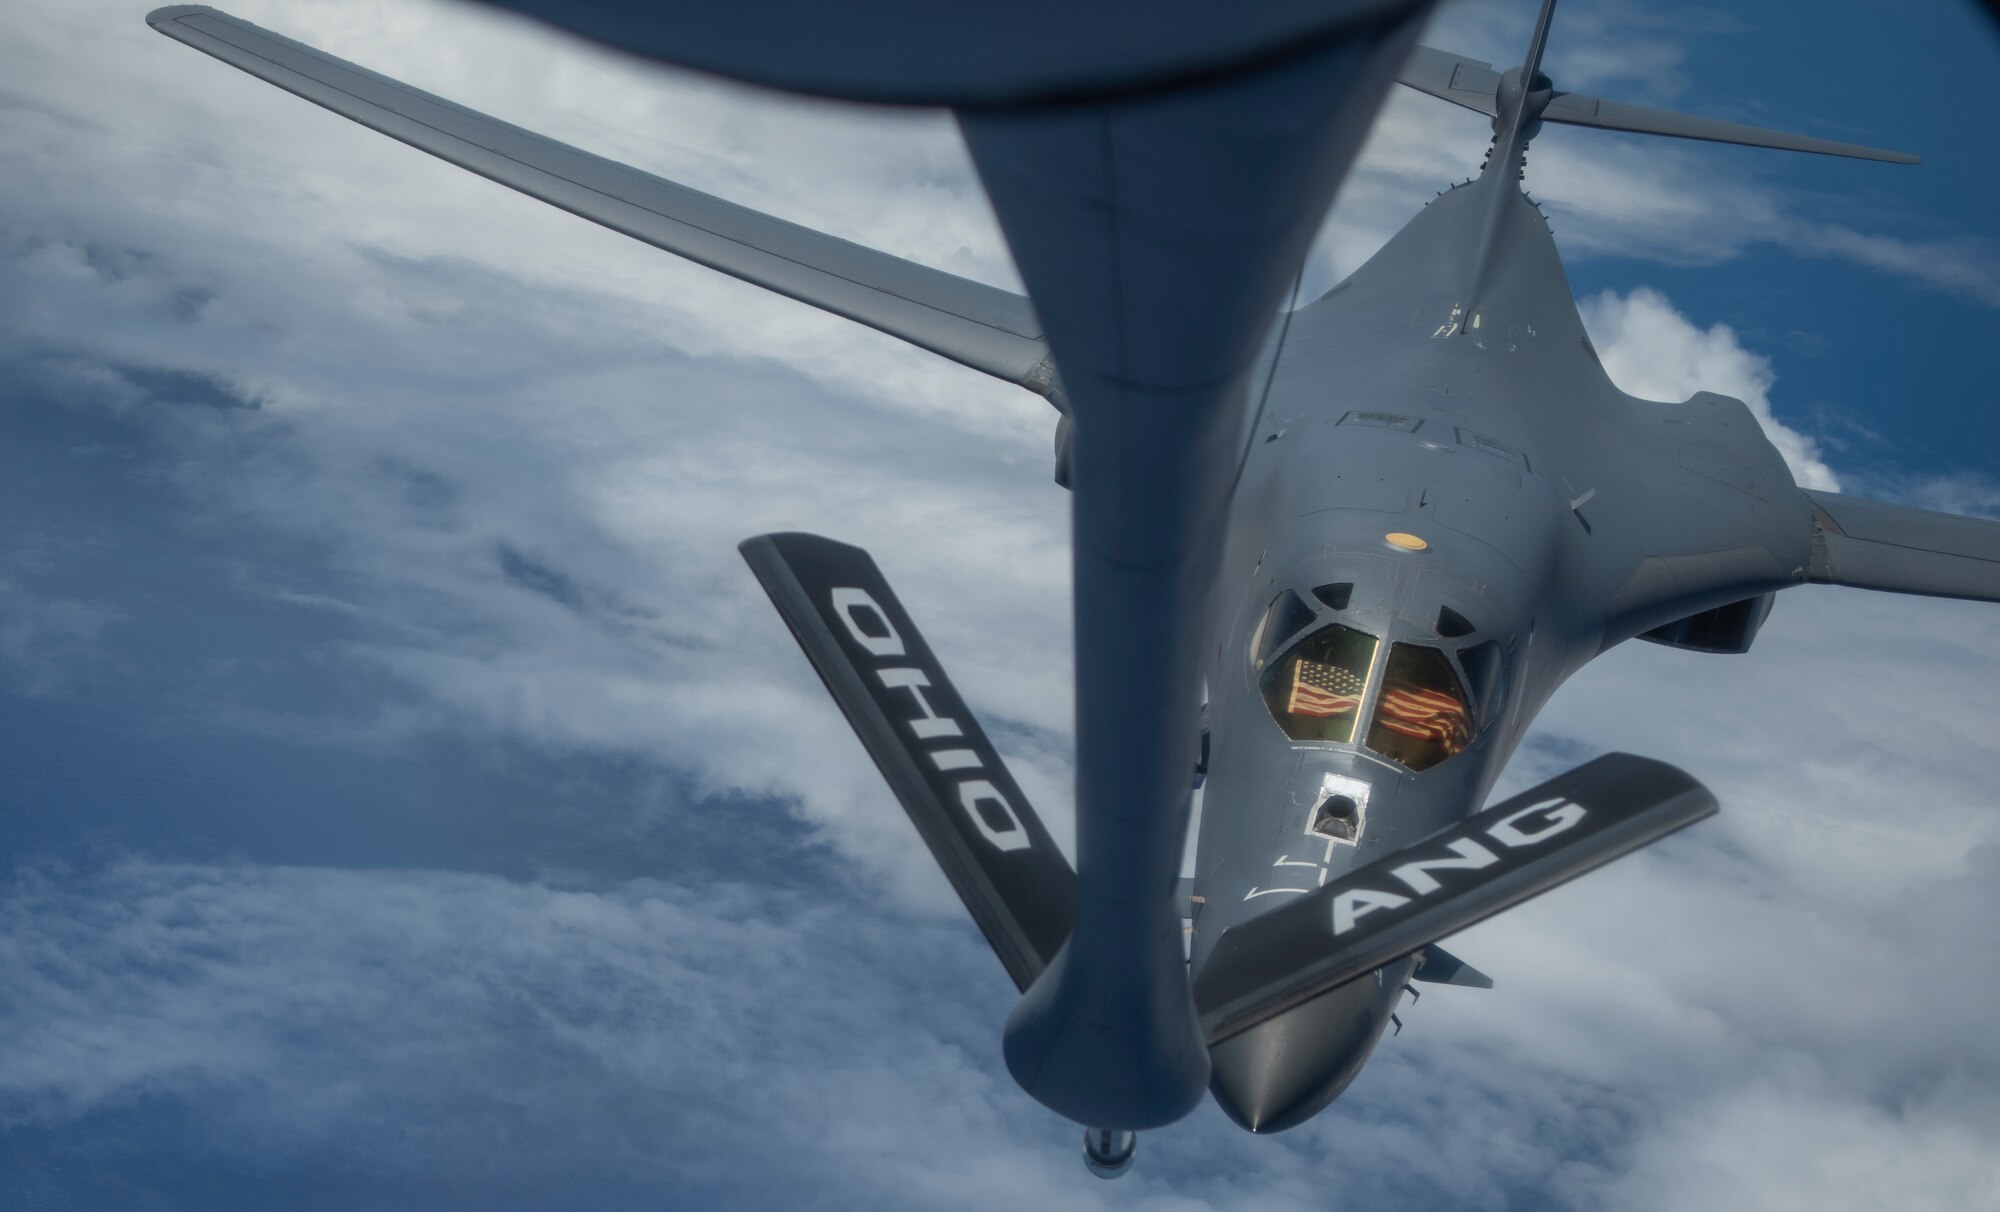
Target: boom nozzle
x=1108, y=1152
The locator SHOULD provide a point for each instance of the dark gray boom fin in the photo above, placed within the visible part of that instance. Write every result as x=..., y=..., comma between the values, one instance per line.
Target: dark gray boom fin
x=1004, y=865
x=1492, y=860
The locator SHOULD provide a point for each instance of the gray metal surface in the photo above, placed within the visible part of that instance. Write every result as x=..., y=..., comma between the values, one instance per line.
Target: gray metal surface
x=1875, y=545
x=1430, y=456
x=1157, y=300
x=1026, y=52
x=1474, y=84
x=1411, y=897
x=1471, y=83
x=1576, y=109
x=980, y=326
x=1437, y=966
x=1505, y=421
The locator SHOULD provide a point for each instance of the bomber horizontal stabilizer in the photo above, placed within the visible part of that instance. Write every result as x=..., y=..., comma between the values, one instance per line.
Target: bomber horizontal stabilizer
x=1014, y=880
x=1471, y=83
x=1492, y=860
x=1474, y=84
x=1576, y=109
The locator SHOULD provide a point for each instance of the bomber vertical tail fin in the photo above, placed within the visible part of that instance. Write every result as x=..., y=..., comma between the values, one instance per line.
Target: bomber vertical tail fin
x=1520, y=99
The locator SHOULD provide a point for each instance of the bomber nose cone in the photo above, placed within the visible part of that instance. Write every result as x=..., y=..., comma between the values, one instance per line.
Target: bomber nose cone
x=1281, y=1073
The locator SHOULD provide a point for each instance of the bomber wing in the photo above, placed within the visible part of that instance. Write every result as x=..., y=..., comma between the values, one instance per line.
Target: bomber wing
x=980, y=326
x=1873, y=545
x=1471, y=83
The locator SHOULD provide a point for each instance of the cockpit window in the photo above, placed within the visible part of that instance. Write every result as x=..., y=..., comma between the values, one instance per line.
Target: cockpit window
x=1336, y=595
x=1421, y=718
x=1314, y=691
x=1451, y=624
x=1285, y=618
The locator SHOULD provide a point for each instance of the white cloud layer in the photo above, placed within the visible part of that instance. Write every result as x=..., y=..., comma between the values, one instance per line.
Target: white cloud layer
x=517, y=452
x=1654, y=352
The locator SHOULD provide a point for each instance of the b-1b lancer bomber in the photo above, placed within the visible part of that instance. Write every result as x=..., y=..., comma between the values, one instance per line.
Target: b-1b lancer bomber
x=1330, y=560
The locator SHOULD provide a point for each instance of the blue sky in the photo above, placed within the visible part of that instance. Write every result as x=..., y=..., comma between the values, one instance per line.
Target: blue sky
x=407, y=799
x=1911, y=84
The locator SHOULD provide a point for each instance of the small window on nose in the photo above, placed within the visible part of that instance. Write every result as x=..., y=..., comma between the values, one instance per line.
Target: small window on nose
x=1451, y=624
x=1285, y=618
x=1337, y=817
x=1335, y=595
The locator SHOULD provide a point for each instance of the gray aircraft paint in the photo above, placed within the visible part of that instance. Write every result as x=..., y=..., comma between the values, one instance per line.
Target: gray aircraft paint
x=1505, y=417
x=1561, y=516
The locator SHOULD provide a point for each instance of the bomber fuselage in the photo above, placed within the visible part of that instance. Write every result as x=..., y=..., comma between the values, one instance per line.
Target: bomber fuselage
x=1445, y=510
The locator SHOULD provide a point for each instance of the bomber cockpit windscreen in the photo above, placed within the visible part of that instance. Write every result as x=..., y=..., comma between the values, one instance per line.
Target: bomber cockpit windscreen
x=1421, y=717
x=1317, y=684
x=1315, y=690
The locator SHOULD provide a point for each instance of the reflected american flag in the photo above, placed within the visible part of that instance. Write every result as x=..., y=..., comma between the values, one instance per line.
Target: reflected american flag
x=1323, y=690
x=1427, y=715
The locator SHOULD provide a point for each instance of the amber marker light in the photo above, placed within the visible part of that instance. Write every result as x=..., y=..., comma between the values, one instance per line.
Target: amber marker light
x=1404, y=542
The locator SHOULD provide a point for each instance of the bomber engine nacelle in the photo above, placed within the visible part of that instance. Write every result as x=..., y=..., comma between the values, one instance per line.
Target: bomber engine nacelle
x=1722, y=629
